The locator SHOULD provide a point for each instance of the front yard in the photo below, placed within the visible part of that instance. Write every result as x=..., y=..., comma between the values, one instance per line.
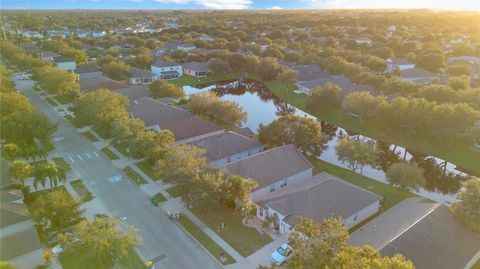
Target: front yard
x=243, y=239
x=90, y=136
x=134, y=176
x=81, y=190
x=147, y=168
x=110, y=154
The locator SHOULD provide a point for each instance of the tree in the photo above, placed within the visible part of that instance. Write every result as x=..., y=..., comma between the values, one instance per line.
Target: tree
x=180, y=163
x=251, y=62
x=51, y=171
x=466, y=207
x=431, y=61
x=10, y=151
x=437, y=93
x=383, y=52
x=202, y=190
x=20, y=170
x=304, y=133
x=152, y=144
x=314, y=245
x=100, y=244
x=56, y=80
x=218, y=66
x=7, y=265
x=459, y=83
x=143, y=60
x=362, y=103
x=12, y=103
x=269, y=69
x=23, y=129
x=356, y=153
x=228, y=114
x=324, y=97
x=236, y=191
x=56, y=210
x=116, y=70
x=162, y=88
x=367, y=257
x=406, y=175
x=288, y=75
x=151, y=43
x=459, y=70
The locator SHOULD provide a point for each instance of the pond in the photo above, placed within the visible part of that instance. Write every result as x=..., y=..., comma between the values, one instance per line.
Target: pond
x=443, y=180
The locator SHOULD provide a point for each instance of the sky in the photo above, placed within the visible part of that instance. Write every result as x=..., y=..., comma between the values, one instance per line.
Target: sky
x=238, y=4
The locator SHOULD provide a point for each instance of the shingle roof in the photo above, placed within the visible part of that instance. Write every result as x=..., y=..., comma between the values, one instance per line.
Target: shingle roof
x=86, y=69
x=160, y=63
x=12, y=208
x=61, y=59
x=97, y=82
x=416, y=73
x=342, y=81
x=140, y=73
x=134, y=93
x=437, y=241
x=309, y=72
x=226, y=144
x=270, y=166
x=401, y=61
x=323, y=196
x=196, y=66
x=182, y=123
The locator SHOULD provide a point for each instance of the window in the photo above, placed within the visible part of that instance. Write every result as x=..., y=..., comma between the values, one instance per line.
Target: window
x=228, y=159
x=284, y=183
x=261, y=212
x=272, y=187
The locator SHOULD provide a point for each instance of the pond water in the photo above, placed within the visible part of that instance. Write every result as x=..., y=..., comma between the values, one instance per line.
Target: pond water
x=443, y=180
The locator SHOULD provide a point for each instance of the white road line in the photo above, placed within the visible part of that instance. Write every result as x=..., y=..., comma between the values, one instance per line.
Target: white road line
x=71, y=159
x=95, y=153
x=80, y=157
x=88, y=156
x=110, y=179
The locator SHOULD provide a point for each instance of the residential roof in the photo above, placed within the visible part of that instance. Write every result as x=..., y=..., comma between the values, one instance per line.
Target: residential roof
x=134, y=93
x=196, y=66
x=437, y=240
x=19, y=243
x=416, y=73
x=342, y=81
x=12, y=208
x=245, y=131
x=62, y=59
x=48, y=54
x=136, y=72
x=86, y=69
x=29, y=46
x=97, y=82
x=225, y=144
x=401, y=61
x=308, y=71
x=161, y=63
x=270, y=166
x=323, y=196
x=182, y=123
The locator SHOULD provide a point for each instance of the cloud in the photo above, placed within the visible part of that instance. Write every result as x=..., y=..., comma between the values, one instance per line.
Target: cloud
x=213, y=4
x=276, y=7
x=435, y=4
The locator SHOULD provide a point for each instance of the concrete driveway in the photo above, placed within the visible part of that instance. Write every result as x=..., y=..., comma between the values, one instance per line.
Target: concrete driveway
x=262, y=256
x=116, y=193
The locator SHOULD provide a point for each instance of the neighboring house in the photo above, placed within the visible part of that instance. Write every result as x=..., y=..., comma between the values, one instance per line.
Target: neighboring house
x=321, y=197
x=19, y=242
x=141, y=76
x=87, y=71
x=186, y=47
x=363, y=41
x=307, y=72
x=91, y=83
x=48, y=56
x=170, y=47
x=134, y=93
x=196, y=69
x=245, y=131
x=398, y=63
x=30, y=47
x=65, y=63
x=472, y=61
x=33, y=34
x=166, y=70
x=418, y=75
x=307, y=86
x=221, y=149
x=159, y=116
x=273, y=170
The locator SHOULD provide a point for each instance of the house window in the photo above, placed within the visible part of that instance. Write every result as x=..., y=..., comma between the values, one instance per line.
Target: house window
x=272, y=187
x=261, y=212
x=284, y=183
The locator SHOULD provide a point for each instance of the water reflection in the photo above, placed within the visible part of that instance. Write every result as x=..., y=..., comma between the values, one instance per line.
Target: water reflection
x=443, y=180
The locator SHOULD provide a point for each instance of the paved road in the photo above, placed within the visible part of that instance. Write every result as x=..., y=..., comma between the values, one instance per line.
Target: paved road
x=118, y=194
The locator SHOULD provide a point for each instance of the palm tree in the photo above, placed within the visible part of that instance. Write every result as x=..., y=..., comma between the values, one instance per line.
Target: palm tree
x=20, y=170
x=34, y=153
x=51, y=171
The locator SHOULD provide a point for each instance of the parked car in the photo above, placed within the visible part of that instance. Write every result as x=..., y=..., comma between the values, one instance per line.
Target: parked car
x=282, y=254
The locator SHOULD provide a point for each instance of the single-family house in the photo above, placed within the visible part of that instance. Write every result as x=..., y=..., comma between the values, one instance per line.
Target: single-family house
x=363, y=41
x=141, y=76
x=186, y=47
x=47, y=56
x=223, y=148
x=65, y=63
x=33, y=34
x=91, y=83
x=472, y=61
x=166, y=70
x=321, y=197
x=134, y=93
x=196, y=69
x=170, y=46
x=398, y=64
x=184, y=125
x=87, y=71
x=30, y=47
x=308, y=72
x=273, y=170
x=307, y=86
x=418, y=75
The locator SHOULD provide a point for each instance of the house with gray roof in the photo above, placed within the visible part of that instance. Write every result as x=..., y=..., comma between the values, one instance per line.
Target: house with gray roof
x=186, y=47
x=87, y=71
x=134, y=93
x=166, y=70
x=91, y=83
x=273, y=170
x=398, y=63
x=307, y=86
x=223, y=148
x=323, y=196
x=140, y=76
x=64, y=63
x=184, y=125
x=418, y=75
x=196, y=69
x=308, y=72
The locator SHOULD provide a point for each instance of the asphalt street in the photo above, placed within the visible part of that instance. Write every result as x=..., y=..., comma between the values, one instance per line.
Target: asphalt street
x=118, y=194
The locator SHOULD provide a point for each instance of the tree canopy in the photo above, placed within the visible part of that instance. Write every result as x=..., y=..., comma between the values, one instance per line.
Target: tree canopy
x=162, y=88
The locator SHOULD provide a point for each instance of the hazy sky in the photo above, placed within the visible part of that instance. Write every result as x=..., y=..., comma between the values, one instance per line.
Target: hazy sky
x=240, y=4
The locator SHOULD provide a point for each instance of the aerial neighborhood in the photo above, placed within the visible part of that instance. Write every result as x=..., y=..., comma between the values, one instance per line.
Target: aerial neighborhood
x=240, y=139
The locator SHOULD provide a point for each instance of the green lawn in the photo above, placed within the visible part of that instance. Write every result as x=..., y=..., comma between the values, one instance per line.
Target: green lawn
x=205, y=240
x=90, y=136
x=244, y=239
x=62, y=163
x=65, y=99
x=76, y=262
x=122, y=148
x=82, y=191
x=134, y=176
x=392, y=196
x=189, y=80
x=147, y=168
x=110, y=154
x=174, y=191
x=159, y=197
x=72, y=120
x=51, y=101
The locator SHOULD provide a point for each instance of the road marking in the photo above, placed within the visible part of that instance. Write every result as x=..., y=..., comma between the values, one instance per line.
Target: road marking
x=88, y=156
x=80, y=157
x=95, y=153
x=114, y=179
x=71, y=159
